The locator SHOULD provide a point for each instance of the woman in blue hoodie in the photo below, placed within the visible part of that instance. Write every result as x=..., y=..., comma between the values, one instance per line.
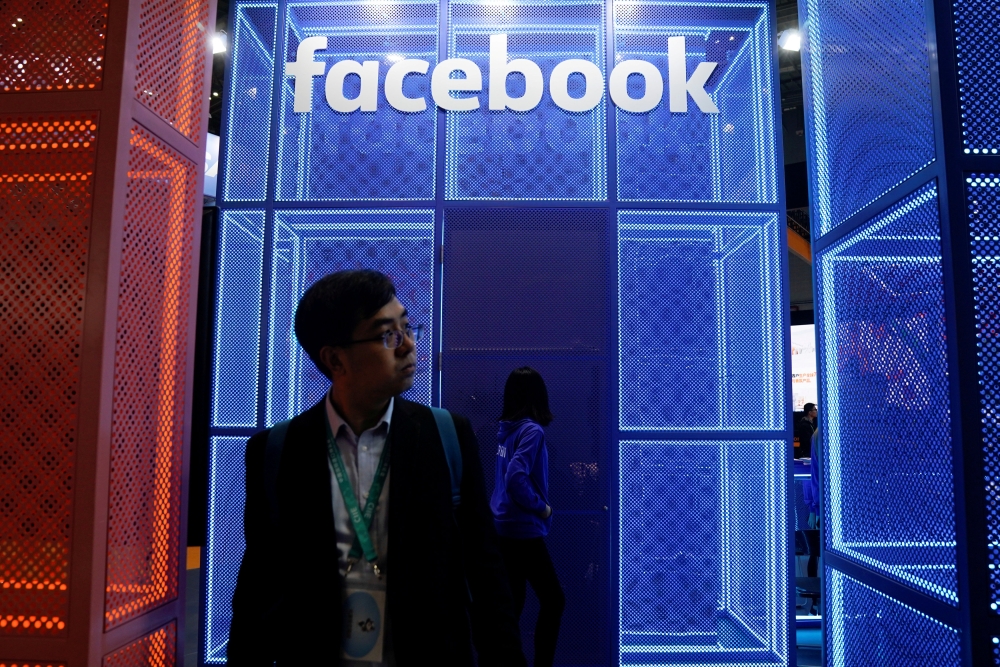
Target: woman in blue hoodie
x=520, y=504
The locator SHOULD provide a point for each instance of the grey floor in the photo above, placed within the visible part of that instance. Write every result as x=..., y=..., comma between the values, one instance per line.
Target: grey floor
x=807, y=640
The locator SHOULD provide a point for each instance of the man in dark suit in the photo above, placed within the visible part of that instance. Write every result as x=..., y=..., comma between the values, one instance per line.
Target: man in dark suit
x=439, y=594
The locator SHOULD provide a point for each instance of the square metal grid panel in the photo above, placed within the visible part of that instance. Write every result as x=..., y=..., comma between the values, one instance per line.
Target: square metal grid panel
x=725, y=157
x=157, y=649
x=170, y=62
x=147, y=413
x=700, y=321
x=52, y=45
x=46, y=205
x=870, y=116
x=385, y=154
x=251, y=90
x=544, y=153
x=310, y=244
x=238, y=298
x=866, y=627
x=703, y=552
x=977, y=24
x=225, y=544
x=982, y=193
x=888, y=472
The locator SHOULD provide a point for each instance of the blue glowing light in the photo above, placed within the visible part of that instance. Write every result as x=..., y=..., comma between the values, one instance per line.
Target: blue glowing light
x=700, y=339
x=888, y=428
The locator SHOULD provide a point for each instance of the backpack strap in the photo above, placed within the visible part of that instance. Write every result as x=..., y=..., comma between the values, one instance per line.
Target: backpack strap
x=272, y=460
x=452, y=451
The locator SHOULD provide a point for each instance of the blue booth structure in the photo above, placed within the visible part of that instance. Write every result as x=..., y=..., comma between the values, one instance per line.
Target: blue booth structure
x=628, y=243
x=903, y=134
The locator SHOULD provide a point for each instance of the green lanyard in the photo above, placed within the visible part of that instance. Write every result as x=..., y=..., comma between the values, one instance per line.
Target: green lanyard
x=361, y=520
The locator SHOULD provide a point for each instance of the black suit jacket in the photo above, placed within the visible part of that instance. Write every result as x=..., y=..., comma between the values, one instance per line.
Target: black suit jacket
x=447, y=588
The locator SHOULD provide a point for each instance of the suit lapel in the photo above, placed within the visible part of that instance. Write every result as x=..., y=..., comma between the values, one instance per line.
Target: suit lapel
x=309, y=476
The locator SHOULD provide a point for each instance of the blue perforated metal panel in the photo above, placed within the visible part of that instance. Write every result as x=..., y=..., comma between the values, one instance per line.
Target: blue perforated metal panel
x=238, y=286
x=310, y=244
x=225, y=544
x=251, y=89
x=702, y=552
x=983, y=206
x=544, y=153
x=700, y=321
x=870, y=113
x=977, y=24
x=725, y=157
x=888, y=474
x=383, y=154
x=865, y=627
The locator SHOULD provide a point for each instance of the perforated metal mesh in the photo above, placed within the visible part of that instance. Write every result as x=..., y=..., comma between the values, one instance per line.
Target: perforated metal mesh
x=702, y=549
x=147, y=427
x=386, y=154
x=18, y=663
x=52, y=45
x=889, y=488
x=225, y=545
x=46, y=177
x=157, y=649
x=871, y=118
x=248, y=120
x=310, y=244
x=725, y=157
x=700, y=321
x=170, y=62
x=238, y=295
x=977, y=23
x=982, y=192
x=544, y=153
x=866, y=627
x=501, y=270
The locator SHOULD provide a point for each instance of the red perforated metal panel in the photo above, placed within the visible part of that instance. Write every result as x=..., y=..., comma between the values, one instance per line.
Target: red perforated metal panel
x=52, y=44
x=16, y=663
x=149, y=379
x=171, y=61
x=157, y=649
x=46, y=176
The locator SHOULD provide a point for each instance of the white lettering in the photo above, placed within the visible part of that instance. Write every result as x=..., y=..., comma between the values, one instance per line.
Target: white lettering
x=500, y=69
x=367, y=99
x=442, y=84
x=470, y=80
x=304, y=69
x=593, y=86
x=618, y=86
x=394, y=85
x=681, y=86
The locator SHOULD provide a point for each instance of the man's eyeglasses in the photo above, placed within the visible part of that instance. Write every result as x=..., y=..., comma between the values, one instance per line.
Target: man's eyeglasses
x=394, y=337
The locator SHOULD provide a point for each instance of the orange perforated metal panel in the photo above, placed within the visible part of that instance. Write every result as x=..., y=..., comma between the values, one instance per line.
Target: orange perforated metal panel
x=46, y=177
x=52, y=44
x=171, y=60
x=149, y=379
x=157, y=649
x=16, y=663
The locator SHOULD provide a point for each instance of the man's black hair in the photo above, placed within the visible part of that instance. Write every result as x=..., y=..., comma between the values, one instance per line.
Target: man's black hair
x=331, y=309
x=525, y=397
x=808, y=407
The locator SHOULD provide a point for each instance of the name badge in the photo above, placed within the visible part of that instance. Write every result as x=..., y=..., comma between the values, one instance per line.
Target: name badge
x=364, y=619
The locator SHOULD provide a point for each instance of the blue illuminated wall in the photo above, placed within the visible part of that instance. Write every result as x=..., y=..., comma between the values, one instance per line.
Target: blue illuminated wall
x=902, y=131
x=634, y=259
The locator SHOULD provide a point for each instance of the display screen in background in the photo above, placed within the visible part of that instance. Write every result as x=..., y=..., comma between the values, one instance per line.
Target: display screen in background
x=804, y=387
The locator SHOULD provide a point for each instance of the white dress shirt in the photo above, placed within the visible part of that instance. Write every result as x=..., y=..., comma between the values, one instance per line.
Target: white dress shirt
x=361, y=456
